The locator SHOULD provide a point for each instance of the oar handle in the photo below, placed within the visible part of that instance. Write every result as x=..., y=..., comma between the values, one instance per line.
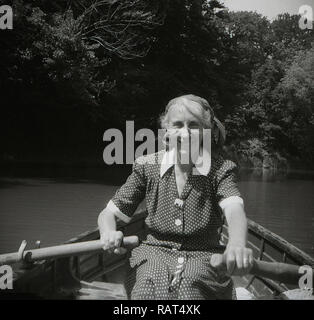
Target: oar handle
x=62, y=250
x=282, y=272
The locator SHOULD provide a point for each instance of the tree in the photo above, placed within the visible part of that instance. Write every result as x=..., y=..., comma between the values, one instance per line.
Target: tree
x=272, y=113
x=58, y=59
x=91, y=64
x=297, y=92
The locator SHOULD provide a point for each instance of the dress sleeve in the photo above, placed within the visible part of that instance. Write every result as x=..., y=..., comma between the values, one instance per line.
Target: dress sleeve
x=130, y=194
x=227, y=189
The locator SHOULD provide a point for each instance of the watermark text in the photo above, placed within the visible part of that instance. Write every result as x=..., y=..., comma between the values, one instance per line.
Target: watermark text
x=6, y=277
x=188, y=145
x=306, y=20
x=6, y=17
x=306, y=280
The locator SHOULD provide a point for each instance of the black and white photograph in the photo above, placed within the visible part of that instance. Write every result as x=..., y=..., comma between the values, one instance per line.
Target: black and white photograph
x=156, y=150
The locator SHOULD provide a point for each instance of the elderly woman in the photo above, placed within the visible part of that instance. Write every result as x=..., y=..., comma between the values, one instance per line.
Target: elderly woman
x=186, y=204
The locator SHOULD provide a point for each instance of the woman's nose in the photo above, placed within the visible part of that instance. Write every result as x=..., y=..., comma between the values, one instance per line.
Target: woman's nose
x=184, y=132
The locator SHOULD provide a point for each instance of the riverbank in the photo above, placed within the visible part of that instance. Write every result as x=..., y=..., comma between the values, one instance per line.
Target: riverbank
x=55, y=162
x=66, y=169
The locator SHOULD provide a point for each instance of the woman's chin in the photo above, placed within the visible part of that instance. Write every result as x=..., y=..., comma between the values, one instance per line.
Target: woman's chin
x=184, y=156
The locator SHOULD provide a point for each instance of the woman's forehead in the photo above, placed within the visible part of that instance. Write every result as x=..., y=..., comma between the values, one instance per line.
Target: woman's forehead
x=185, y=110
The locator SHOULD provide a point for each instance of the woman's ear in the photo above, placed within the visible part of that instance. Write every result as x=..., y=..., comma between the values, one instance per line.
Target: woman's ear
x=165, y=139
x=221, y=132
x=216, y=135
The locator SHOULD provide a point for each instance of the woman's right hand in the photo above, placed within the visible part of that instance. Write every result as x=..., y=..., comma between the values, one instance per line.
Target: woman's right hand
x=112, y=241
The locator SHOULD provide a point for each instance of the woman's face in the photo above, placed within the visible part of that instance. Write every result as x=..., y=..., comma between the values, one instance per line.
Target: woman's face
x=185, y=130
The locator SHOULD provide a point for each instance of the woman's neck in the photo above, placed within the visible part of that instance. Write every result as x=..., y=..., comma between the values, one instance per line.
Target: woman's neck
x=186, y=168
x=184, y=165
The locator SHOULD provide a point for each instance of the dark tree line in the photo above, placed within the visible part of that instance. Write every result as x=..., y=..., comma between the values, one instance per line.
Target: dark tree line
x=71, y=69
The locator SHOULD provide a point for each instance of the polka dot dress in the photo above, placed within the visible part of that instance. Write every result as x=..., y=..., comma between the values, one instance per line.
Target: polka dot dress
x=173, y=262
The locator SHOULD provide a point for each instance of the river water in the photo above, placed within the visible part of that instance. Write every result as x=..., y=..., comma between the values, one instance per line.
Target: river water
x=53, y=207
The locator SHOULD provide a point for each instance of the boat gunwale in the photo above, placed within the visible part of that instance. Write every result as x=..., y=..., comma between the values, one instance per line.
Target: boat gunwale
x=277, y=242
x=259, y=232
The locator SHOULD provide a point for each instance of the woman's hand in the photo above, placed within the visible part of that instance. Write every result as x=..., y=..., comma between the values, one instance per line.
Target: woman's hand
x=239, y=259
x=112, y=241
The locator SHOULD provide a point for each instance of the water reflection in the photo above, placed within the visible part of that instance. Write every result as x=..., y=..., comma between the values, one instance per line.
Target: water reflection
x=271, y=175
x=262, y=174
x=65, y=203
x=282, y=201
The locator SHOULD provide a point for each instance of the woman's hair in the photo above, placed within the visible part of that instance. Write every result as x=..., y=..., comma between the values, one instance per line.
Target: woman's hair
x=207, y=112
x=208, y=119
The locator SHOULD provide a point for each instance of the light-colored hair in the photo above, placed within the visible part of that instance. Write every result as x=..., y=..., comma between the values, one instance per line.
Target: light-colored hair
x=207, y=115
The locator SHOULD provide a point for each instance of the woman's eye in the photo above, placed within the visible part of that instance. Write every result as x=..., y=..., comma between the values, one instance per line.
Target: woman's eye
x=176, y=125
x=194, y=125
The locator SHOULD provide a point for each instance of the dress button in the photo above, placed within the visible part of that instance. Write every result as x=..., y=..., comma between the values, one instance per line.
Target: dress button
x=178, y=222
x=180, y=260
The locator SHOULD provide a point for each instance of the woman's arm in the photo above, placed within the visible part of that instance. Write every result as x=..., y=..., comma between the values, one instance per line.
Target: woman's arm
x=111, y=238
x=236, y=252
x=237, y=224
x=122, y=206
x=106, y=221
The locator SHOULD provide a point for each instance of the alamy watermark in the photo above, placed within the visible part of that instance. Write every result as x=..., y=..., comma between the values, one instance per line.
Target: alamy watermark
x=6, y=17
x=6, y=277
x=189, y=144
x=306, y=20
x=306, y=280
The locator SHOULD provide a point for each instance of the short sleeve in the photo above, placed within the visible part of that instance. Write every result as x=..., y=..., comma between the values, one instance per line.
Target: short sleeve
x=227, y=189
x=130, y=194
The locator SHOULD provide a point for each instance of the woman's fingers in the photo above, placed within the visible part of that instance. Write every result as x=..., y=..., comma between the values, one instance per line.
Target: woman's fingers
x=250, y=259
x=245, y=259
x=112, y=240
x=120, y=250
x=118, y=239
x=231, y=261
x=104, y=239
x=239, y=260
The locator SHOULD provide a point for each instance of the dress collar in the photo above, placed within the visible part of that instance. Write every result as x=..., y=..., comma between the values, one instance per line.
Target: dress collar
x=201, y=167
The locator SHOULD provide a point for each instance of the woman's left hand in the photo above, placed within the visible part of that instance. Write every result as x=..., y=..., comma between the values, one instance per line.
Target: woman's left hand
x=239, y=259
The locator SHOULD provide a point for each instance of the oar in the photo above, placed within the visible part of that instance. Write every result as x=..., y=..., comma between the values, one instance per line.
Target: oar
x=282, y=272
x=60, y=251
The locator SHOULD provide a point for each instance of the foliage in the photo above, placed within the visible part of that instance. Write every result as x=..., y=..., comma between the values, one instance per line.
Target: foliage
x=92, y=64
x=276, y=108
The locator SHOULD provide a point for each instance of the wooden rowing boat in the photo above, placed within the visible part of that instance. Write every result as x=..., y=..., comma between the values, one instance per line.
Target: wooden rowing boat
x=100, y=275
